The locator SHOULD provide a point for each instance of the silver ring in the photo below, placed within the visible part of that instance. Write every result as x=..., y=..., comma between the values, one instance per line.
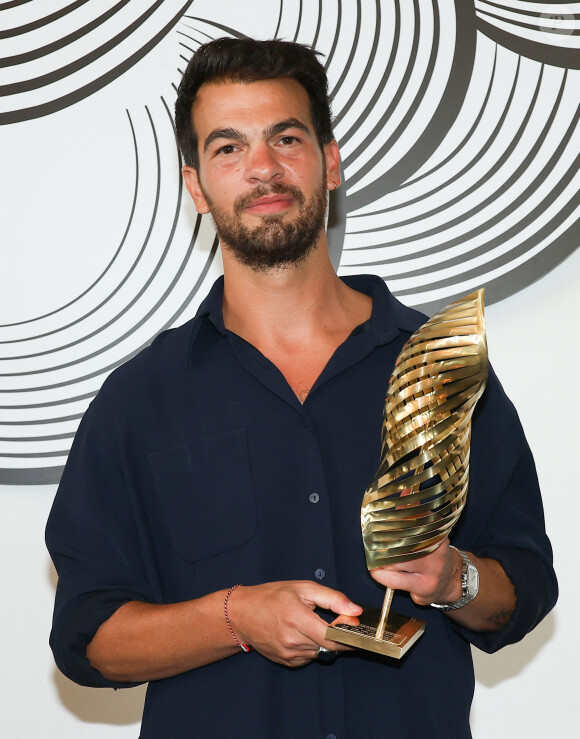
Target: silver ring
x=325, y=655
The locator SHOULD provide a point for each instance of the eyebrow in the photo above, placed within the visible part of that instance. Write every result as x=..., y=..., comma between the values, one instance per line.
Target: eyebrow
x=273, y=130
x=277, y=128
x=223, y=133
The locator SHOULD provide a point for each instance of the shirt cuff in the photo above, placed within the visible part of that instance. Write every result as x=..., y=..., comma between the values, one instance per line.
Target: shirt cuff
x=80, y=629
x=536, y=594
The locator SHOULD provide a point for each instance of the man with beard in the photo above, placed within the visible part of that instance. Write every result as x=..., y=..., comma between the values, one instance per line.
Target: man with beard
x=207, y=520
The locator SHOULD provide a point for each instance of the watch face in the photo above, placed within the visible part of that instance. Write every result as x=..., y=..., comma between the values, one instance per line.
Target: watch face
x=469, y=585
x=472, y=580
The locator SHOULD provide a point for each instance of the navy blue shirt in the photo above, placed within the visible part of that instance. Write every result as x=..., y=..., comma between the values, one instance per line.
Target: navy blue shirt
x=196, y=468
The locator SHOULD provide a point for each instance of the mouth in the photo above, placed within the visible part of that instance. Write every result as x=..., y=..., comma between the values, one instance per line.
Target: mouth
x=270, y=204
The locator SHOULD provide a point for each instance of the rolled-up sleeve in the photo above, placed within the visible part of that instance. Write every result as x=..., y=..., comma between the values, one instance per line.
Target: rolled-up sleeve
x=506, y=522
x=94, y=543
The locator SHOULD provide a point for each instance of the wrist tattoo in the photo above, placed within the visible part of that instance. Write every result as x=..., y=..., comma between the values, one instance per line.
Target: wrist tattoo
x=500, y=618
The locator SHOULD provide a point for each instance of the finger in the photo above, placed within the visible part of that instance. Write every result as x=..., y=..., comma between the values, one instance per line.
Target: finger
x=349, y=620
x=337, y=646
x=331, y=600
x=394, y=579
x=313, y=628
x=416, y=565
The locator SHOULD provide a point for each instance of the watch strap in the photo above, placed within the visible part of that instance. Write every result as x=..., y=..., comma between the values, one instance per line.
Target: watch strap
x=469, y=584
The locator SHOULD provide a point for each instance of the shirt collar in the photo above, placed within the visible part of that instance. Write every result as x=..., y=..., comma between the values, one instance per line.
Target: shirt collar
x=389, y=316
x=212, y=306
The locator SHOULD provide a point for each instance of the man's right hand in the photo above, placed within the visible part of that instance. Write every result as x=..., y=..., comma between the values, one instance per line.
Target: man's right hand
x=147, y=641
x=278, y=620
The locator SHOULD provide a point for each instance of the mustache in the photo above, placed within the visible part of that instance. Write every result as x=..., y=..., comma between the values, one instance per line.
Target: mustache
x=261, y=191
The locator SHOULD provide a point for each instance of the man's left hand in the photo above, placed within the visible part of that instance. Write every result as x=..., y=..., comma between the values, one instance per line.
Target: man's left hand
x=433, y=578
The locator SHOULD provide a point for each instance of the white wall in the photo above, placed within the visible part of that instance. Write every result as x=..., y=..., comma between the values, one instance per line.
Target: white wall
x=37, y=701
x=527, y=690
x=76, y=167
x=530, y=689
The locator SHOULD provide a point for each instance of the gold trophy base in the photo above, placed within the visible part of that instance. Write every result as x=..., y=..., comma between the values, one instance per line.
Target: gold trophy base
x=401, y=632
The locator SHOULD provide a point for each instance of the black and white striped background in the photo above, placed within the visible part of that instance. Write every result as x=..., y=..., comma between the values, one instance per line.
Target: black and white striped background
x=458, y=126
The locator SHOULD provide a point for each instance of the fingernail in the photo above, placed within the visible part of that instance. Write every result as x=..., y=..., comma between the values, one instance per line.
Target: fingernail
x=353, y=606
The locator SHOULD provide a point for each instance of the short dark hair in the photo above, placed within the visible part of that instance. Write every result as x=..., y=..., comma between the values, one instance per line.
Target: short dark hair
x=248, y=60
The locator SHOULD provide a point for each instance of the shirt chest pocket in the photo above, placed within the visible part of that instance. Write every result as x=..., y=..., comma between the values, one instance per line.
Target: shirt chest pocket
x=207, y=494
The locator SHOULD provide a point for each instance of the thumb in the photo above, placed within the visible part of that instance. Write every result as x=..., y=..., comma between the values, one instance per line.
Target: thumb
x=331, y=600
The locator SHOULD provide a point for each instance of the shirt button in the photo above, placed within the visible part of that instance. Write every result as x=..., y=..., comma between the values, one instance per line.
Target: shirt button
x=314, y=497
x=320, y=574
x=331, y=736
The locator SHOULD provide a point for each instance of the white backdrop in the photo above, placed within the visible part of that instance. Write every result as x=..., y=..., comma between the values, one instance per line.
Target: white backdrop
x=527, y=690
x=461, y=148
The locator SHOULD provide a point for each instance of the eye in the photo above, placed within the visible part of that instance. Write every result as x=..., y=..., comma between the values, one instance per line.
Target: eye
x=289, y=140
x=226, y=149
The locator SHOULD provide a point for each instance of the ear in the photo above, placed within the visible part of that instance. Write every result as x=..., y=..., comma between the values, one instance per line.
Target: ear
x=191, y=179
x=332, y=157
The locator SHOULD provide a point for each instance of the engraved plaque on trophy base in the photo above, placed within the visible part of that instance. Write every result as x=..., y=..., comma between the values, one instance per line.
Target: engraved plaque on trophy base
x=400, y=633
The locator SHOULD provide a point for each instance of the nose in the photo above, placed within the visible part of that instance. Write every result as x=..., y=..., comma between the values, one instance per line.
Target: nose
x=262, y=164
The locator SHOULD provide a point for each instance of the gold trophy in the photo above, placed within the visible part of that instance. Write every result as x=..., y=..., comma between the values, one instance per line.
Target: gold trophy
x=421, y=485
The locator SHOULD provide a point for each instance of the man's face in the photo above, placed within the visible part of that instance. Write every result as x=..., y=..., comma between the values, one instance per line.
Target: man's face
x=262, y=174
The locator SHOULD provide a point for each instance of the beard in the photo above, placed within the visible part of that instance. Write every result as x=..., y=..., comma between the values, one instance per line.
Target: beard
x=273, y=243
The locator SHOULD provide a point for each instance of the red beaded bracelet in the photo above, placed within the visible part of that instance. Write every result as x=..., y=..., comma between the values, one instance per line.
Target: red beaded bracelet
x=245, y=647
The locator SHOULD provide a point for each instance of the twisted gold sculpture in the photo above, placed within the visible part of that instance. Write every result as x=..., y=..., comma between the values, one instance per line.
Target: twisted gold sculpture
x=421, y=485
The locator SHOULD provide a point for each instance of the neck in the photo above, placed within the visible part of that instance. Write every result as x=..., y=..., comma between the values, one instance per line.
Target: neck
x=297, y=316
x=288, y=301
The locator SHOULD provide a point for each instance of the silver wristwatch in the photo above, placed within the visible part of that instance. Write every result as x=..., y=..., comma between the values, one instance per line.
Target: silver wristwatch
x=469, y=585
